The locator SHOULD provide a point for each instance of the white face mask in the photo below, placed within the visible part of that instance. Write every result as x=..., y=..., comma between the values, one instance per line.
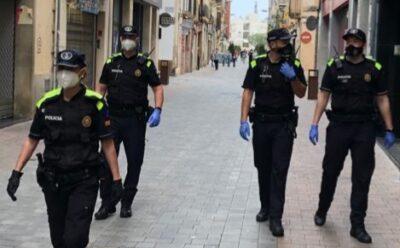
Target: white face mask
x=67, y=79
x=128, y=44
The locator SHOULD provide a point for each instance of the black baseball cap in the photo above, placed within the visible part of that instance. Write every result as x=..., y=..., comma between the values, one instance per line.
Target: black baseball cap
x=71, y=59
x=355, y=32
x=128, y=31
x=279, y=34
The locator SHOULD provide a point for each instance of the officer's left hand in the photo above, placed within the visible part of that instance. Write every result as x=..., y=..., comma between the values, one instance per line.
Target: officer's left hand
x=244, y=130
x=155, y=118
x=13, y=184
x=116, y=190
x=390, y=139
x=288, y=71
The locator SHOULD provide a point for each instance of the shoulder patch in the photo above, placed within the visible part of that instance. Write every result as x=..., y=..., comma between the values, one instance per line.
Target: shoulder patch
x=253, y=64
x=378, y=66
x=111, y=58
x=93, y=94
x=297, y=63
x=47, y=96
x=331, y=61
x=261, y=56
x=99, y=105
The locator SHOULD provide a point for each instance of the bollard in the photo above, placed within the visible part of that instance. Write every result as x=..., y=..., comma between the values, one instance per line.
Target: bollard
x=164, y=72
x=312, y=84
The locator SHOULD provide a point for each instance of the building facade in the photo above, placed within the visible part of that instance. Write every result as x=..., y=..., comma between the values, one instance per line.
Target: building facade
x=35, y=30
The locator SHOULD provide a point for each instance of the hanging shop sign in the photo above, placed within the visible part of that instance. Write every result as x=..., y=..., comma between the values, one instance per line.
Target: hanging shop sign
x=166, y=20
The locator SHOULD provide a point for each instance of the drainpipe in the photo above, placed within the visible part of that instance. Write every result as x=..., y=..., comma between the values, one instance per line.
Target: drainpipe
x=56, y=41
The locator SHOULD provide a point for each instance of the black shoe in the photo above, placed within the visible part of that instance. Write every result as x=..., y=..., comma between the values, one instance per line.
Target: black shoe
x=262, y=215
x=126, y=212
x=276, y=228
x=361, y=235
x=104, y=212
x=319, y=219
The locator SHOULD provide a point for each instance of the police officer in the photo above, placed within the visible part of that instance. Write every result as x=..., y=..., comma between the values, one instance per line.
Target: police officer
x=275, y=78
x=355, y=83
x=125, y=78
x=71, y=120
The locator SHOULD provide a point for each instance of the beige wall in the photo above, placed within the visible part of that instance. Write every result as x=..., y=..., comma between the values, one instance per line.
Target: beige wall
x=43, y=40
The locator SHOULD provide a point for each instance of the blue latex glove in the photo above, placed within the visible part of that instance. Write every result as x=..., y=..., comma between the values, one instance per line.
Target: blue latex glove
x=245, y=130
x=390, y=138
x=313, y=135
x=288, y=71
x=155, y=118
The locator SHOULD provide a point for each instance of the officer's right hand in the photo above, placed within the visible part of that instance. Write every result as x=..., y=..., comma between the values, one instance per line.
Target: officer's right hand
x=313, y=135
x=244, y=130
x=13, y=184
x=116, y=190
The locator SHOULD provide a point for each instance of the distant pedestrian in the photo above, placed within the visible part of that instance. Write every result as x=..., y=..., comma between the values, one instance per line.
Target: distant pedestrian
x=216, y=60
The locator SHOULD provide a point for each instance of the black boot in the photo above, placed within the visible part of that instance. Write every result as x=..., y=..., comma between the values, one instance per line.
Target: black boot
x=104, y=212
x=319, y=218
x=262, y=215
x=360, y=234
x=276, y=228
x=126, y=211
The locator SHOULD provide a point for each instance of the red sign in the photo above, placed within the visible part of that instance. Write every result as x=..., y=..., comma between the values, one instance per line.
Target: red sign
x=306, y=37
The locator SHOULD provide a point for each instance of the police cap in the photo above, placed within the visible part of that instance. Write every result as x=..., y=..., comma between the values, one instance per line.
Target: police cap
x=279, y=34
x=71, y=58
x=355, y=32
x=128, y=31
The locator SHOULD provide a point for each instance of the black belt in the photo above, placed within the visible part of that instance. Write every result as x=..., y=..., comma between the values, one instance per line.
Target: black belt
x=349, y=117
x=267, y=117
x=71, y=177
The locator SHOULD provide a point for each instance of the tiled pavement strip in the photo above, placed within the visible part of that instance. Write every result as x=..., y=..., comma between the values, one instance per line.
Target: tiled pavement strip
x=199, y=187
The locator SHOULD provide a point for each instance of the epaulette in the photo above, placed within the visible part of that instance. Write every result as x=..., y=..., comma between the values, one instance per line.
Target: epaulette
x=332, y=60
x=297, y=63
x=377, y=65
x=115, y=55
x=95, y=96
x=48, y=96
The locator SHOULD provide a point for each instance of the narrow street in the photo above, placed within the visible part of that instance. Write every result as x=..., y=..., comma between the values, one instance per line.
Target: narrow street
x=199, y=187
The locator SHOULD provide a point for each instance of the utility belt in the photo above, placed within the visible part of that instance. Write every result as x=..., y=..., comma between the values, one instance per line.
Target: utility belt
x=50, y=178
x=291, y=118
x=117, y=109
x=349, y=117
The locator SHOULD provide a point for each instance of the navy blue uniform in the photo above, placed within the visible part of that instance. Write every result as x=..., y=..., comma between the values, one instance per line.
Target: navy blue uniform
x=351, y=128
x=273, y=129
x=71, y=132
x=127, y=81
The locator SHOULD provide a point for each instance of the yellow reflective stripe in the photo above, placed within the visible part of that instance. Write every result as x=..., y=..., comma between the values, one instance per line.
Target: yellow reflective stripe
x=116, y=55
x=140, y=54
x=297, y=63
x=330, y=62
x=148, y=63
x=253, y=64
x=261, y=56
x=99, y=105
x=342, y=57
x=378, y=66
x=48, y=95
x=109, y=61
x=91, y=93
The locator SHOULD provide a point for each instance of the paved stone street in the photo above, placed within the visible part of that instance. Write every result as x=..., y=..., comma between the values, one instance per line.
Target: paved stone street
x=199, y=187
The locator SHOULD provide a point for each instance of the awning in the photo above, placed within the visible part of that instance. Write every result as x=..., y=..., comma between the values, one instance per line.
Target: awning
x=156, y=3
